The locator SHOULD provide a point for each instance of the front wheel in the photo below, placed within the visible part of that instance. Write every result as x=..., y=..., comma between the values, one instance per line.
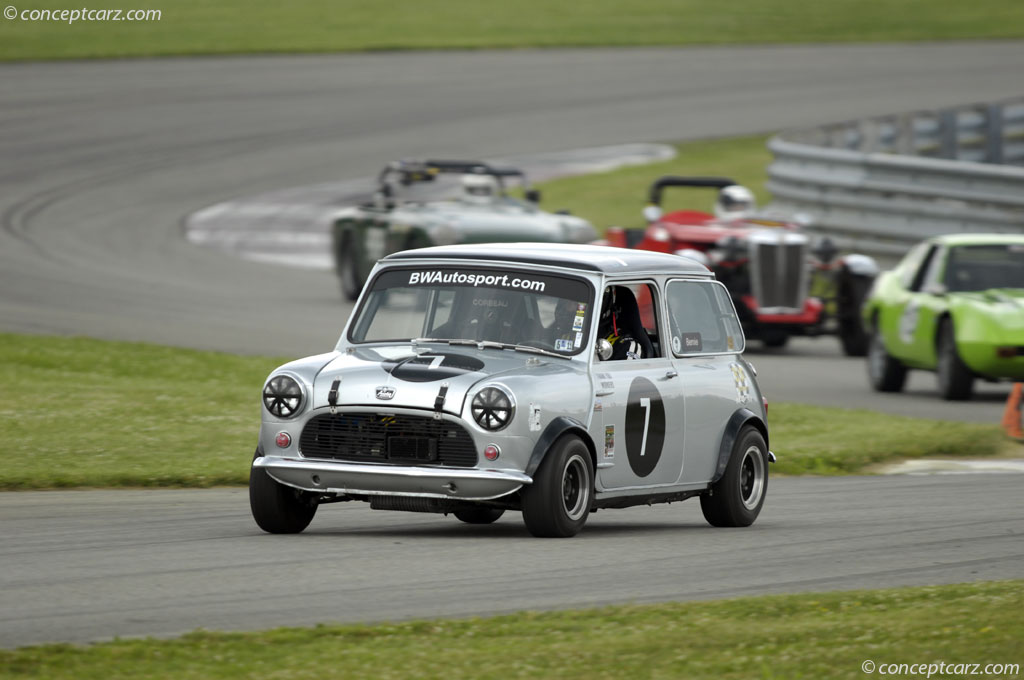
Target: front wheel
x=556, y=505
x=775, y=337
x=956, y=382
x=885, y=373
x=278, y=509
x=736, y=499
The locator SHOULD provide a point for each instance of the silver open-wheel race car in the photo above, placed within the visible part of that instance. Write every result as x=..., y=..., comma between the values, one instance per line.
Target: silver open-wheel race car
x=475, y=380
x=415, y=207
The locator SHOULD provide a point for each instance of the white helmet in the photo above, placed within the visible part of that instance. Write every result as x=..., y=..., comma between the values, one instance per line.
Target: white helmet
x=479, y=188
x=735, y=202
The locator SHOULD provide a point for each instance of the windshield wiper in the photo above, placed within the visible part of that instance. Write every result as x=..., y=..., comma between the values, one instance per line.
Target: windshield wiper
x=491, y=344
x=537, y=350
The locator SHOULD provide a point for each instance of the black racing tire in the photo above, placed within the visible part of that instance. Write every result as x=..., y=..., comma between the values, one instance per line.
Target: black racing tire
x=558, y=502
x=737, y=498
x=956, y=382
x=885, y=373
x=479, y=514
x=348, y=276
x=853, y=334
x=278, y=509
x=775, y=339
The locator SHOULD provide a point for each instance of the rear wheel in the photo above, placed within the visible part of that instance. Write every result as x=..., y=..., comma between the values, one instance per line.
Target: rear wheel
x=885, y=373
x=278, y=509
x=736, y=499
x=347, y=274
x=956, y=382
x=479, y=515
x=556, y=505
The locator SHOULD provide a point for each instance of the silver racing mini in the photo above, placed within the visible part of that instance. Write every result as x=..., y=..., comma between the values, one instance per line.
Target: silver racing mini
x=547, y=379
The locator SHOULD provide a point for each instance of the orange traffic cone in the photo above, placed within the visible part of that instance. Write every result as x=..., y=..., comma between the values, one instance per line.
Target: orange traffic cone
x=1012, y=414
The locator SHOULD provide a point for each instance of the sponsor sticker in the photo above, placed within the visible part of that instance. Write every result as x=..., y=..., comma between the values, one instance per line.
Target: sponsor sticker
x=609, y=441
x=677, y=344
x=739, y=377
x=577, y=323
x=534, y=418
x=438, y=276
x=579, y=339
x=692, y=343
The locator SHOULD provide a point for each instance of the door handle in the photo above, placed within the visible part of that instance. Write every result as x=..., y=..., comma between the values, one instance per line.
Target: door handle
x=671, y=374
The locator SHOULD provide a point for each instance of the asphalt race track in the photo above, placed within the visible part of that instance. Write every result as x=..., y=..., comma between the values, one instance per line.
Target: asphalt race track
x=80, y=566
x=103, y=160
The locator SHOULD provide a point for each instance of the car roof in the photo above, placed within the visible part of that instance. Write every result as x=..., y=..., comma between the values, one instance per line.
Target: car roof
x=978, y=239
x=604, y=259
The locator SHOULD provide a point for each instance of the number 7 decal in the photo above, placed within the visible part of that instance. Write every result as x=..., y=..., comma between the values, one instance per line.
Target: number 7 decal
x=645, y=404
x=435, y=363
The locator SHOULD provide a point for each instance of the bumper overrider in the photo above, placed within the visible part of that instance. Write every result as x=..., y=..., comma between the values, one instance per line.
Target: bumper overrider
x=322, y=476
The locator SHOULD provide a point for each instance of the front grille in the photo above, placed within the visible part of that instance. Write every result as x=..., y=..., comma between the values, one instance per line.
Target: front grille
x=778, y=274
x=397, y=439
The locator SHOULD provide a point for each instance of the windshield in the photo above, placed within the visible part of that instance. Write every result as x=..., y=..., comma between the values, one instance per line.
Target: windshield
x=504, y=306
x=973, y=268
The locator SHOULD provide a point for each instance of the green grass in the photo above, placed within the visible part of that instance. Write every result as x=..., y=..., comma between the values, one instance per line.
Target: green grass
x=258, y=26
x=80, y=412
x=833, y=441
x=89, y=413
x=813, y=636
x=617, y=197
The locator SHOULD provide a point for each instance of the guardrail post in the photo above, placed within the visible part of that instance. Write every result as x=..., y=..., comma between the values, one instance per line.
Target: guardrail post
x=994, y=134
x=948, y=141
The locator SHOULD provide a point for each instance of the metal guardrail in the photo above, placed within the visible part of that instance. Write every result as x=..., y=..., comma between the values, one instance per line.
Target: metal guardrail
x=882, y=184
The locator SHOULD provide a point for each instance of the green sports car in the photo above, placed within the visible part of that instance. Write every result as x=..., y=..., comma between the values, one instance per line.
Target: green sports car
x=953, y=305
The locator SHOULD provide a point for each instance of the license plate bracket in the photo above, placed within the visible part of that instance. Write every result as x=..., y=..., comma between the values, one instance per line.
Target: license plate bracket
x=412, y=448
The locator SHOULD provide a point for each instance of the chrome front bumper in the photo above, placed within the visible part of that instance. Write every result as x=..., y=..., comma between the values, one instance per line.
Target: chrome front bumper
x=322, y=476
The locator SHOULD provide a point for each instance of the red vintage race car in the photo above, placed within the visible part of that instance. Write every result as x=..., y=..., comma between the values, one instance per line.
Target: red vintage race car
x=782, y=281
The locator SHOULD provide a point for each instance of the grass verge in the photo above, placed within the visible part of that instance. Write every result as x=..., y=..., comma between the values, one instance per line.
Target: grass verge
x=826, y=635
x=78, y=412
x=192, y=27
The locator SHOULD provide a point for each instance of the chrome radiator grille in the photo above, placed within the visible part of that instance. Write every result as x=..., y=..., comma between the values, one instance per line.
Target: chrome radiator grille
x=778, y=275
x=399, y=439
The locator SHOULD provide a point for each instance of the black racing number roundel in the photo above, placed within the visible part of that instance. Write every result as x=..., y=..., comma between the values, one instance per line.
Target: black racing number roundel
x=431, y=367
x=645, y=426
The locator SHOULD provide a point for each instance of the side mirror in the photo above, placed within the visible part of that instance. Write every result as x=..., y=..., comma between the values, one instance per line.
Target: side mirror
x=652, y=213
x=532, y=195
x=603, y=350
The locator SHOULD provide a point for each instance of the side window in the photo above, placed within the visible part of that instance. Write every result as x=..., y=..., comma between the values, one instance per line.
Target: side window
x=911, y=264
x=702, y=319
x=917, y=283
x=629, y=312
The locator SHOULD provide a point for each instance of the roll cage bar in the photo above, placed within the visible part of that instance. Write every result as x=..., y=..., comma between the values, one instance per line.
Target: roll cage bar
x=409, y=172
x=662, y=183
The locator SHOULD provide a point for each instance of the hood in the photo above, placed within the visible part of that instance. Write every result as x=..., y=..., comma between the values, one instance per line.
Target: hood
x=412, y=378
x=1003, y=306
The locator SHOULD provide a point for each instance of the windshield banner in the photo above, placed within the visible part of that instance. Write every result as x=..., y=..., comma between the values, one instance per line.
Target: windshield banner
x=557, y=286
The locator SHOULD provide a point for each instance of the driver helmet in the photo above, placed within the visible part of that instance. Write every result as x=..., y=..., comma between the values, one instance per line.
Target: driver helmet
x=479, y=188
x=735, y=202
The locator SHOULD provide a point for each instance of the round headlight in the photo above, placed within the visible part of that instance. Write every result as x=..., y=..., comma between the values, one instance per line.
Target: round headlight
x=282, y=396
x=493, y=408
